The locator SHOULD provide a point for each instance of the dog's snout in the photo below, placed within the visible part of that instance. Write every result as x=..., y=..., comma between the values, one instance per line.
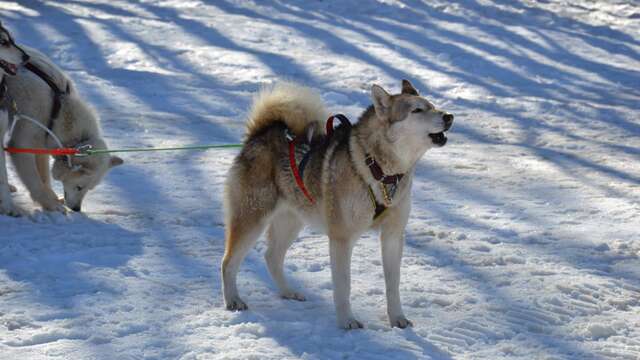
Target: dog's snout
x=448, y=120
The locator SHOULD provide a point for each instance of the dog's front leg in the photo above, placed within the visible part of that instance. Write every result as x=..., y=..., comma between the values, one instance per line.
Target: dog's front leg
x=340, y=249
x=392, y=243
x=6, y=204
x=44, y=169
x=26, y=168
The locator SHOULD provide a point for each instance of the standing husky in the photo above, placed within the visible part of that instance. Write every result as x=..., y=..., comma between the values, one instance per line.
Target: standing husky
x=49, y=96
x=352, y=176
x=11, y=57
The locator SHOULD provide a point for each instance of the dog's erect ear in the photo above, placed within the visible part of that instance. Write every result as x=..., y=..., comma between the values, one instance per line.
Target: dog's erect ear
x=407, y=88
x=381, y=101
x=59, y=170
x=115, y=161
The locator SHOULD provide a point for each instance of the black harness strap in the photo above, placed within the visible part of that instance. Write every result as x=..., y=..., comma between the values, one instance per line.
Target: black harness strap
x=303, y=162
x=6, y=101
x=57, y=92
x=3, y=89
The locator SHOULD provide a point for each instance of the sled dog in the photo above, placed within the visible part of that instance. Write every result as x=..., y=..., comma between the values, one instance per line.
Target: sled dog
x=357, y=178
x=42, y=91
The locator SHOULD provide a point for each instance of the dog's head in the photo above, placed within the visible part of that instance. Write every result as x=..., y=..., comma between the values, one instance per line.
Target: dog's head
x=11, y=56
x=412, y=122
x=84, y=174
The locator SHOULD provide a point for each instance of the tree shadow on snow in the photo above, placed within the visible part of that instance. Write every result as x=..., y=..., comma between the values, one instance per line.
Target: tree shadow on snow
x=546, y=71
x=55, y=259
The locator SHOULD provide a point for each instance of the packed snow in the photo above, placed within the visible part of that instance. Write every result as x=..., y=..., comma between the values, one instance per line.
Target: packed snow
x=523, y=241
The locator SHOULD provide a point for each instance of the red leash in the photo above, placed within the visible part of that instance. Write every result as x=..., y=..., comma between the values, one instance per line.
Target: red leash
x=54, y=152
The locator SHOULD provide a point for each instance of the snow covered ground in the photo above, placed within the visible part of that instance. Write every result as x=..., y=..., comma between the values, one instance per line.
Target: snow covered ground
x=524, y=238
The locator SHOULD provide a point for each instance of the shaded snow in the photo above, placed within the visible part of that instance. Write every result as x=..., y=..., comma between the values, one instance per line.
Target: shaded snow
x=523, y=241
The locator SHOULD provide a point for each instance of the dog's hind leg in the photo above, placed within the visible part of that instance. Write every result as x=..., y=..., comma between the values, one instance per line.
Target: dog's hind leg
x=247, y=214
x=239, y=239
x=282, y=232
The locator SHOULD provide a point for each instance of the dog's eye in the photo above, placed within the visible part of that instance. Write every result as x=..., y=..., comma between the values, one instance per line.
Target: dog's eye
x=79, y=188
x=418, y=110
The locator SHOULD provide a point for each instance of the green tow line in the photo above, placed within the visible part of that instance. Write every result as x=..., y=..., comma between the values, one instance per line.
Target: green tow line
x=89, y=151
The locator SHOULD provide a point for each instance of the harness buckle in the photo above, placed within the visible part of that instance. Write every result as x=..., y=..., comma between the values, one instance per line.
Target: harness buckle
x=288, y=135
x=83, y=150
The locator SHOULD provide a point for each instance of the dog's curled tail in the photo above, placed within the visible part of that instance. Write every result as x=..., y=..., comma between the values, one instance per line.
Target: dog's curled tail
x=295, y=105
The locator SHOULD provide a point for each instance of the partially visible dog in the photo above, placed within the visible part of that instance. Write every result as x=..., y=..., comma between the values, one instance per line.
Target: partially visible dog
x=358, y=178
x=11, y=57
x=44, y=92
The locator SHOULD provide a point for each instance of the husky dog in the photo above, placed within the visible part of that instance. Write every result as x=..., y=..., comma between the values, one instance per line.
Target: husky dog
x=351, y=176
x=11, y=57
x=44, y=92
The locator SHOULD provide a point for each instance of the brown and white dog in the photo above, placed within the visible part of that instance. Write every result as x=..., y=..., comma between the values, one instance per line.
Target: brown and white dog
x=351, y=176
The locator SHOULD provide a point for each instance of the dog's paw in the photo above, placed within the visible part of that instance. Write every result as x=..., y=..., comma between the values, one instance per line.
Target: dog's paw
x=292, y=295
x=401, y=322
x=351, y=324
x=57, y=207
x=50, y=202
x=8, y=209
x=6, y=205
x=236, y=304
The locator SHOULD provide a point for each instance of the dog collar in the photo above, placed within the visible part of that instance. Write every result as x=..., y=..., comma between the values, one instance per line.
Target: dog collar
x=378, y=174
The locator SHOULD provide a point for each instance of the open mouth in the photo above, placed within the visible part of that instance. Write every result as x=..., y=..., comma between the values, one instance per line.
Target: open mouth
x=438, y=139
x=8, y=67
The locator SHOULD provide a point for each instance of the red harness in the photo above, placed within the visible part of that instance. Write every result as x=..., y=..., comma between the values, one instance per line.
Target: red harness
x=388, y=183
x=295, y=169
